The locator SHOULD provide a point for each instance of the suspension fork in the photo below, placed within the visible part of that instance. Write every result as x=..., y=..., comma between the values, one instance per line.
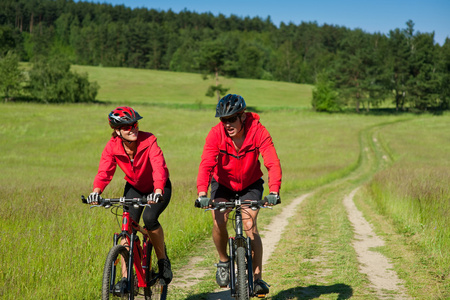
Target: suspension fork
x=130, y=262
x=231, y=244
x=234, y=242
x=247, y=244
x=129, y=234
x=250, y=266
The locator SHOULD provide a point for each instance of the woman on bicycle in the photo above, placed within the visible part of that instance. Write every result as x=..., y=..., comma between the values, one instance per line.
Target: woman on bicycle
x=230, y=164
x=141, y=159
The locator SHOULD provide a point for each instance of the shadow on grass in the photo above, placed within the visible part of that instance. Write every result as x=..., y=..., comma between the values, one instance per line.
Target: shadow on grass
x=315, y=291
x=222, y=295
x=189, y=106
x=26, y=99
x=343, y=291
x=393, y=111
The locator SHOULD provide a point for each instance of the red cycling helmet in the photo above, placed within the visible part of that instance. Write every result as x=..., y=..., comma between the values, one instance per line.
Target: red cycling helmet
x=123, y=115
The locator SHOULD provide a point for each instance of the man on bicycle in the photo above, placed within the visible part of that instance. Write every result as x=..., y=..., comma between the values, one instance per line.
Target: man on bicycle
x=230, y=164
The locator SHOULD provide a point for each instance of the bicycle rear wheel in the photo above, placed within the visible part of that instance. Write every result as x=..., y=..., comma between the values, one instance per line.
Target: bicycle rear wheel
x=242, y=290
x=117, y=264
x=154, y=291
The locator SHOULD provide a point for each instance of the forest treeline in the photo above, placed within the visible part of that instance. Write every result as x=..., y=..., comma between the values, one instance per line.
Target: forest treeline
x=349, y=67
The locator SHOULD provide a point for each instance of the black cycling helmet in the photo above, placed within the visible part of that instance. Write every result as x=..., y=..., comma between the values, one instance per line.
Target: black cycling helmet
x=230, y=105
x=123, y=115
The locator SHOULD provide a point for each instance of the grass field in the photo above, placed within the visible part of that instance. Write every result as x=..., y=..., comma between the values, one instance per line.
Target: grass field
x=137, y=86
x=52, y=246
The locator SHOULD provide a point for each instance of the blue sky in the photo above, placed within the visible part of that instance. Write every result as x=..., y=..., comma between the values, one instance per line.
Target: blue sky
x=371, y=16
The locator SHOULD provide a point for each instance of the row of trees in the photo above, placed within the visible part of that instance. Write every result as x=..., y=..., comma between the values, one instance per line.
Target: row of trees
x=407, y=67
x=358, y=68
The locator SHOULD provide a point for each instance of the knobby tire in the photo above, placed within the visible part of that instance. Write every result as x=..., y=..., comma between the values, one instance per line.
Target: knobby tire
x=242, y=278
x=113, y=263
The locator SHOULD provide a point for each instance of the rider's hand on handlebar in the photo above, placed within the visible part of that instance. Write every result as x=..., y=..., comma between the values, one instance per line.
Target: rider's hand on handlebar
x=94, y=198
x=154, y=198
x=272, y=199
x=204, y=201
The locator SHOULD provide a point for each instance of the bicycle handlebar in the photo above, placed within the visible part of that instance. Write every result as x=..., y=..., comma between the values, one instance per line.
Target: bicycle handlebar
x=122, y=201
x=233, y=204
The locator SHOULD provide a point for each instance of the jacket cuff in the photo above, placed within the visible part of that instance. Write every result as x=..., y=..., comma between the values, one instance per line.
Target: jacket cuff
x=158, y=185
x=202, y=188
x=274, y=188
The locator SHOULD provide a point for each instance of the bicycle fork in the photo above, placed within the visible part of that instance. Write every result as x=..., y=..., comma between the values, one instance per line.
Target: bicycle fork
x=130, y=260
x=232, y=269
x=233, y=243
x=249, y=267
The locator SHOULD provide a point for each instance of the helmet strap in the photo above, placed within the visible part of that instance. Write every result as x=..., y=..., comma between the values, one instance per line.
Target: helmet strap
x=242, y=124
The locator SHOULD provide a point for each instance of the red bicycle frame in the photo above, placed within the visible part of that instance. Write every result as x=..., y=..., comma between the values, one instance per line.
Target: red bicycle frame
x=139, y=257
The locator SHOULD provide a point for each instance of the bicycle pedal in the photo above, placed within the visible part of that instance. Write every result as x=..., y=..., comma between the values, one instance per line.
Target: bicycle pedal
x=223, y=287
x=260, y=295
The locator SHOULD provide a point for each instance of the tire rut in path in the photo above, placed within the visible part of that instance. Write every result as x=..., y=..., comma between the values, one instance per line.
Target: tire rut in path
x=376, y=266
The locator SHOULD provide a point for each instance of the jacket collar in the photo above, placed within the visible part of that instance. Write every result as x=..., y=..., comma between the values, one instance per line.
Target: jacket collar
x=142, y=143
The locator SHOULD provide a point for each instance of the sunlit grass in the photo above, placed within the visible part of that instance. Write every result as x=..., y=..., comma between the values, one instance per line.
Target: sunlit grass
x=149, y=86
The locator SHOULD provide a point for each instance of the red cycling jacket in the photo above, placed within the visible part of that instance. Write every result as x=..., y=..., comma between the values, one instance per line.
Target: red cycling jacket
x=238, y=170
x=148, y=170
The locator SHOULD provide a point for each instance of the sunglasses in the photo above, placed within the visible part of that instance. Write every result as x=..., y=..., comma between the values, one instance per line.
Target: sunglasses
x=230, y=119
x=129, y=127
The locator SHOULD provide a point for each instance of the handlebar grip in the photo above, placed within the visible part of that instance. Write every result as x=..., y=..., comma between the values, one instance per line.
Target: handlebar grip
x=278, y=199
x=100, y=202
x=197, y=203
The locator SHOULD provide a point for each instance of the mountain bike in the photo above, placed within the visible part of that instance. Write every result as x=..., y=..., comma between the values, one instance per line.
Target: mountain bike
x=240, y=252
x=130, y=257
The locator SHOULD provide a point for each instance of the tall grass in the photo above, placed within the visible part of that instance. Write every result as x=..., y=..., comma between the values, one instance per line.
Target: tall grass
x=415, y=190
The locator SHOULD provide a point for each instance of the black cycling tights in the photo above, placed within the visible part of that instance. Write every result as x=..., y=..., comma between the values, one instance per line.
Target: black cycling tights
x=151, y=214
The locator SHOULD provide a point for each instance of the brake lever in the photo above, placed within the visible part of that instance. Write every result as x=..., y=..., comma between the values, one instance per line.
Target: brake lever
x=98, y=205
x=269, y=207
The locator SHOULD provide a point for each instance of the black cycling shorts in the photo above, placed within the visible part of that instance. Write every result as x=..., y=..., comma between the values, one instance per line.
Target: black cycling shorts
x=253, y=192
x=151, y=214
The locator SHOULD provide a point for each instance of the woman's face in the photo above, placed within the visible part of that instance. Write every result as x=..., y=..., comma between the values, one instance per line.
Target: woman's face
x=129, y=132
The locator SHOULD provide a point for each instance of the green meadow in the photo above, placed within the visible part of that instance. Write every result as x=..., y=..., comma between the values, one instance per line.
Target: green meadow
x=53, y=247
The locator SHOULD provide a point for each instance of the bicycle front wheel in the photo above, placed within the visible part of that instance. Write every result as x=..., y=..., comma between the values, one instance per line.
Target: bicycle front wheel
x=242, y=278
x=116, y=266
